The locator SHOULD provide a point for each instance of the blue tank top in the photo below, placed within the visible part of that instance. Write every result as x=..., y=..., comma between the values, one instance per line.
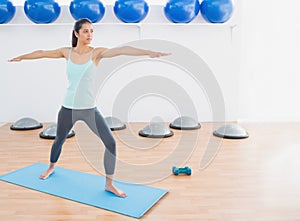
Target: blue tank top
x=81, y=90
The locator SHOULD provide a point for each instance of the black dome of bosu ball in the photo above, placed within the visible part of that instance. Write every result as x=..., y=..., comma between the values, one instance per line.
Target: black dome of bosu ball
x=50, y=132
x=231, y=131
x=26, y=123
x=114, y=123
x=185, y=123
x=156, y=130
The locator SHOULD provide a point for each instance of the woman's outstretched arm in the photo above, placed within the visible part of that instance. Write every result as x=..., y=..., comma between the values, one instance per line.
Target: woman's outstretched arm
x=128, y=50
x=57, y=53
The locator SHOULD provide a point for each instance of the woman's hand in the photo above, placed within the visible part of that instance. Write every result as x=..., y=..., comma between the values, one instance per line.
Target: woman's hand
x=154, y=54
x=17, y=59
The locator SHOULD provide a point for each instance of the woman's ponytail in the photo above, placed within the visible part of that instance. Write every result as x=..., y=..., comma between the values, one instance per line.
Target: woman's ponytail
x=74, y=39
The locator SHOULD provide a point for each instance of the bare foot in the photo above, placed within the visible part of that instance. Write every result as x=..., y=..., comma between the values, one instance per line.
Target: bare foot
x=47, y=173
x=111, y=188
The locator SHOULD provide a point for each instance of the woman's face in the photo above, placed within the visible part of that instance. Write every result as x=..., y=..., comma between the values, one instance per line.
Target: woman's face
x=85, y=35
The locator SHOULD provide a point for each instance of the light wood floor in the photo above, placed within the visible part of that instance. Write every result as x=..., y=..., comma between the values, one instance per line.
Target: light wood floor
x=251, y=179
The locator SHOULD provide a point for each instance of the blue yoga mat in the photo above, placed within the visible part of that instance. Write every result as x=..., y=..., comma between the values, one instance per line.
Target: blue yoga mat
x=87, y=188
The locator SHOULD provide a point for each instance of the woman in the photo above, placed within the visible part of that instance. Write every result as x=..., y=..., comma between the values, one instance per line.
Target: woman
x=79, y=101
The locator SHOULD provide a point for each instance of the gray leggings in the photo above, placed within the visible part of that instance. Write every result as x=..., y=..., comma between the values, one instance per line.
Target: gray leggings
x=95, y=121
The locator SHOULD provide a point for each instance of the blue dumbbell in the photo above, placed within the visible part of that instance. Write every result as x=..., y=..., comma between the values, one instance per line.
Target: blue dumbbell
x=186, y=170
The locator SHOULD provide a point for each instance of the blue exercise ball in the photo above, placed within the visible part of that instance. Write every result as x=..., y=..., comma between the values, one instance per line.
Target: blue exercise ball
x=42, y=11
x=216, y=11
x=7, y=11
x=91, y=9
x=181, y=11
x=131, y=11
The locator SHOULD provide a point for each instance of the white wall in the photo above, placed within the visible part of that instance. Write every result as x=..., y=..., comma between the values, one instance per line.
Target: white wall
x=270, y=73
